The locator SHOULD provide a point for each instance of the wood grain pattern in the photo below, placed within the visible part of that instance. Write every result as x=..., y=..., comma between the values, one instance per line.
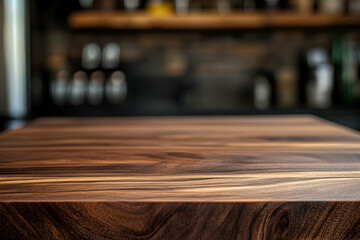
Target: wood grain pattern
x=288, y=177
x=180, y=159
x=311, y=220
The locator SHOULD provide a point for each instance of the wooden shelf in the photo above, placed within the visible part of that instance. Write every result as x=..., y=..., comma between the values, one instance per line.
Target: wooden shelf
x=205, y=20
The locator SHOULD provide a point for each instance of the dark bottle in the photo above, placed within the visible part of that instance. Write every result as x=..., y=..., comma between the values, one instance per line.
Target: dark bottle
x=344, y=58
x=96, y=88
x=77, y=88
x=59, y=87
x=264, y=89
x=320, y=80
x=262, y=92
x=337, y=58
x=116, y=88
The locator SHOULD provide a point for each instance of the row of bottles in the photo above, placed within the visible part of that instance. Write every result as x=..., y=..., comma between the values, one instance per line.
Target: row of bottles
x=216, y=72
x=185, y=6
x=93, y=56
x=94, y=89
x=324, y=79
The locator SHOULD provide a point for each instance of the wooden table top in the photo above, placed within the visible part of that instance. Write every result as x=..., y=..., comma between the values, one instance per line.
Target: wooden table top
x=180, y=159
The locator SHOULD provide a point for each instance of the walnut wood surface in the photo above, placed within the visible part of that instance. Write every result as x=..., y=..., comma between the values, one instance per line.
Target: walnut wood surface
x=310, y=220
x=210, y=159
x=288, y=177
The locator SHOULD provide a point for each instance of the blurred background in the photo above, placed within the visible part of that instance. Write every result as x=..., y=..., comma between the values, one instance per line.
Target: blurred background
x=179, y=57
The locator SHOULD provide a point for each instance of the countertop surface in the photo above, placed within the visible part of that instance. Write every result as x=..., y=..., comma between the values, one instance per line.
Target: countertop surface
x=180, y=159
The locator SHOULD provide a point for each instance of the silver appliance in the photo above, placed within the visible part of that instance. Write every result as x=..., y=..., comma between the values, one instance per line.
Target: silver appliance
x=13, y=59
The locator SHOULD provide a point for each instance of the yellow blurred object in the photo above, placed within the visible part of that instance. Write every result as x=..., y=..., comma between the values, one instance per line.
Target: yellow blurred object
x=159, y=8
